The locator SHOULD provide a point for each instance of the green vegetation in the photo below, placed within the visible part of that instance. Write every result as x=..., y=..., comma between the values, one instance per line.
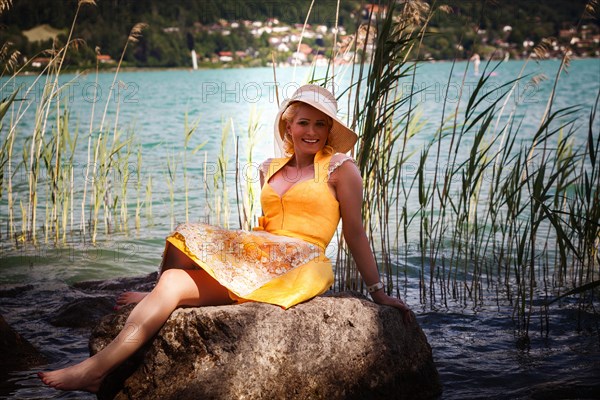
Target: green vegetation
x=176, y=27
x=499, y=28
x=108, y=22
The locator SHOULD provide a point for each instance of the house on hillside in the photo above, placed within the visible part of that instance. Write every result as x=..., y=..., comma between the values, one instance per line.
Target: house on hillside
x=40, y=62
x=42, y=33
x=105, y=59
x=373, y=11
x=225, y=56
x=566, y=33
x=321, y=61
x=305, y=49
x=283, y=48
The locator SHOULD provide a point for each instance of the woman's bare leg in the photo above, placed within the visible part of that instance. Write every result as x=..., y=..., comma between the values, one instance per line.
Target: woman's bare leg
x=175, y=288
x=173, y=258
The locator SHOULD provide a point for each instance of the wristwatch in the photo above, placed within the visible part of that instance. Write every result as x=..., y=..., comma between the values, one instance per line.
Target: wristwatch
x=375, y=287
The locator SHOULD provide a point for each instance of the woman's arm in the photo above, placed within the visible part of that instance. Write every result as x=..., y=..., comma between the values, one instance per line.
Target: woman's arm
x=348, y=186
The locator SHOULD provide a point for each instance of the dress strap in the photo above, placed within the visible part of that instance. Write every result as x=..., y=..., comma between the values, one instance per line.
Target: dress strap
x=322, y=161
x=270, y=166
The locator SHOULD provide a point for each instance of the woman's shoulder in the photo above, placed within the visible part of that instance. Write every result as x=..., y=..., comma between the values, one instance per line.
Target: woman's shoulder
x=337, y=160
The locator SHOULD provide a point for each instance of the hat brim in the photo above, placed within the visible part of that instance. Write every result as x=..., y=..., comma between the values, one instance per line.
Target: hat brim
x=341, y=138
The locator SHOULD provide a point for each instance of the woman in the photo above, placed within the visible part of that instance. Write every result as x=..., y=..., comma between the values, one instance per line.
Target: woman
x=282, y=262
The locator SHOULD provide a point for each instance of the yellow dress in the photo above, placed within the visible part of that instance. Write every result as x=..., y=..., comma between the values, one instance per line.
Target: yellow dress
x=283, y=260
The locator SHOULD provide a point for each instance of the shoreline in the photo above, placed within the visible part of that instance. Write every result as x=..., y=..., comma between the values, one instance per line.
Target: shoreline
x=111, y=70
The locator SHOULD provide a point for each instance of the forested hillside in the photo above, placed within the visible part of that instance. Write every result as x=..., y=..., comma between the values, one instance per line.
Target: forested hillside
x=484, y=26
x=177, y=26
x=107, y=24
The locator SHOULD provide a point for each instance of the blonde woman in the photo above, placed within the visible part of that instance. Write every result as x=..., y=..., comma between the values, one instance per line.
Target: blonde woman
x=282, y=262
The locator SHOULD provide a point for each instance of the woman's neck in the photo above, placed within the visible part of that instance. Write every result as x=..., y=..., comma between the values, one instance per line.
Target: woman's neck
x=303, y=161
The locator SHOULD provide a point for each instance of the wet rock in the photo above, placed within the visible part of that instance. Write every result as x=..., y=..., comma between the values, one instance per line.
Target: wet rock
x=14, y=291
x=17, y=352
x=96, y=299
x=84, y=312
x=140, y=283
x=332, y=347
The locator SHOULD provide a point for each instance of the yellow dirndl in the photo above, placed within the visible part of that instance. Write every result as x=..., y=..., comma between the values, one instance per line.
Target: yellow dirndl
x=283, y=260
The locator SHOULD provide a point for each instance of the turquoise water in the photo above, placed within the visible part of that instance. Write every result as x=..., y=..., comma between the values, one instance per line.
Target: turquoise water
x=153, y=105
x=476, y=351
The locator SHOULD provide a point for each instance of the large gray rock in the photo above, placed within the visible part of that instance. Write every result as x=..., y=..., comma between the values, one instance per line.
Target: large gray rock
x=332, y=347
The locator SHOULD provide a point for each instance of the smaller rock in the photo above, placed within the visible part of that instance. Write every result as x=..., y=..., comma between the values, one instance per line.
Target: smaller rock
x=17, y=353
x=83, y=313
x=13, y=291
x=139, y=283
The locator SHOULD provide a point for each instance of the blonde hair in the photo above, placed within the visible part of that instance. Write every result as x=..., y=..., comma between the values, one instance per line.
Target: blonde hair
x=288, y=116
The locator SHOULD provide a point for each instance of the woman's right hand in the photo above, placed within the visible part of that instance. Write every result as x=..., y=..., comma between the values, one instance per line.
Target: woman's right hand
x=380, y=297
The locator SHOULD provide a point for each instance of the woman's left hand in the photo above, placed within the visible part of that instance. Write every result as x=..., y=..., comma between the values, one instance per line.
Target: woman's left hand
x=380, y=297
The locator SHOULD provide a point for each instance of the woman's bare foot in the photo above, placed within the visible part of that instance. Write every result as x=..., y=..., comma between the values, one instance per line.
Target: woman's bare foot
x=129, y=298
x=77, y=377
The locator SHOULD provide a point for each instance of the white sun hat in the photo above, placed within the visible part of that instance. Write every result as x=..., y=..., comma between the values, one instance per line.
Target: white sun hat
x=341, y=138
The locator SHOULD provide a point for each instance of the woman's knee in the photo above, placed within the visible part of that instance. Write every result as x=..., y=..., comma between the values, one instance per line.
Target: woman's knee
x=193, y=288
x=179, y=286
x=175, y=280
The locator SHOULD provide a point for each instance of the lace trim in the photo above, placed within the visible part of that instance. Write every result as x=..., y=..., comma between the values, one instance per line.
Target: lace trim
x=335, y=165
x=264, y=167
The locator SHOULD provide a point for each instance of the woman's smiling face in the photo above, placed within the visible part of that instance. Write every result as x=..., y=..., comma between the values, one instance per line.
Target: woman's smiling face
x=309, y=130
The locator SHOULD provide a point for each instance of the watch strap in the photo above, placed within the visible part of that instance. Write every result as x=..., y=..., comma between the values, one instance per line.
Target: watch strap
x=375, y=287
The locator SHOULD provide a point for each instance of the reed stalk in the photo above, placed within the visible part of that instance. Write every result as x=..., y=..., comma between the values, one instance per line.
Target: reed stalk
x=221, y=197
x=148, y=201
x=138, y=188
x=6, y=157
x=188, y=132
x=124, y=177
x=171, y=176
x=245, y=194
x=134, y=37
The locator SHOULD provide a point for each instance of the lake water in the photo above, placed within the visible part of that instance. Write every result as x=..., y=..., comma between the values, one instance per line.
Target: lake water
x=476, y=349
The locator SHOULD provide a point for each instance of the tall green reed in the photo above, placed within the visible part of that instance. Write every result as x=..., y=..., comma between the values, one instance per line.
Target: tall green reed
x=246, y=181
x=496, y=208
x=49, y=155
x=188, y=132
